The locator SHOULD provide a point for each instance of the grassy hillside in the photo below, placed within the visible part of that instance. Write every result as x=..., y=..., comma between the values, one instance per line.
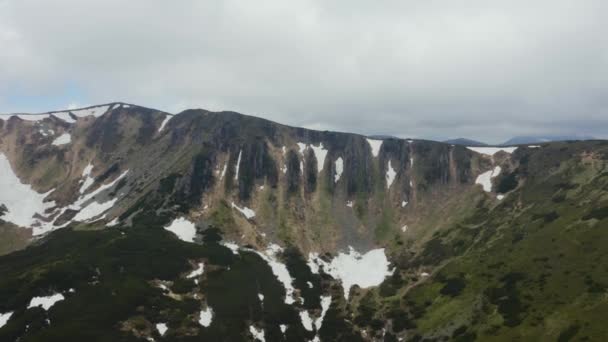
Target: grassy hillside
x=531, y=268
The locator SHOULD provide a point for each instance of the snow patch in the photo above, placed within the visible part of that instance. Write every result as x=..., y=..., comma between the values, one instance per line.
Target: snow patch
x=306, y=320
x=365, y=270
x=94, y=209
x=249, y=213
x=88, y=180
x=94, y=111
x=257, y=334
x=99, y=190
x=4, y=317
x=232, y=246
x=320, y=154
x=403, y=204
x=112, y=223
x=500, y=197
x=301, y=148
x=283, y=328
x=279, y=270
x=273, y=249
x=22, y=202
x=46, y=302
x=161, y=328
x=325, y=303
x=313, y=262
x=224, y=171
x=238, y=165
x=65, y=116
x=349, y=204
x=197, y=272
x=404, y=229
x=33, y=117
x=63, y=139
x=485, y=179
x=390, y=175
x=184, y=229
x=205, y=317
x=43, y=133
x=490, y=151
x=375, y=146
x=162, y=125
x=339, y=169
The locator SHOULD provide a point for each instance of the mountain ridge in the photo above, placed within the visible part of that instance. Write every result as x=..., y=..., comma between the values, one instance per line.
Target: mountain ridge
x=465, y=142
x=109, y=104
x=243, y=121
x=535, y=139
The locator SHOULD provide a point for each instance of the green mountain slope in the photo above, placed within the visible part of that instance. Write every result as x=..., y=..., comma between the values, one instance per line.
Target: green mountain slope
x=531, y=268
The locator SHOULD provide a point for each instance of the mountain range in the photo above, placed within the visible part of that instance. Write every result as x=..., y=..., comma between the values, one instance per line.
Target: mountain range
x=125, y=223
x=522, y=140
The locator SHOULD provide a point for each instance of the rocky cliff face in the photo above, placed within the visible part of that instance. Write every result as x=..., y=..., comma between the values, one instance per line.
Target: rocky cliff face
x=320, y=191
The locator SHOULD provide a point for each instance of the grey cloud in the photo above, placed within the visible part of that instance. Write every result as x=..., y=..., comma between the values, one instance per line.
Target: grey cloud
x=436, y=69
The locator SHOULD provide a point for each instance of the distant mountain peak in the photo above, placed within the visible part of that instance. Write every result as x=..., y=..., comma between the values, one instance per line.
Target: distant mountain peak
x=538, y=139
x=465, y=142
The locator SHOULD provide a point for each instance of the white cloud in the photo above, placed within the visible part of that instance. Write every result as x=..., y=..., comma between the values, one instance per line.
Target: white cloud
x=476, y=68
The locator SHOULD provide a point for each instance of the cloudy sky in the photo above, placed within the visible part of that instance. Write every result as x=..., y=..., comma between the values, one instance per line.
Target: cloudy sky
x=482, y=69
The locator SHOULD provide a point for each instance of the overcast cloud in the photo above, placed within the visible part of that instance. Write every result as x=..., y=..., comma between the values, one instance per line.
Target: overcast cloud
x=435, y=69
